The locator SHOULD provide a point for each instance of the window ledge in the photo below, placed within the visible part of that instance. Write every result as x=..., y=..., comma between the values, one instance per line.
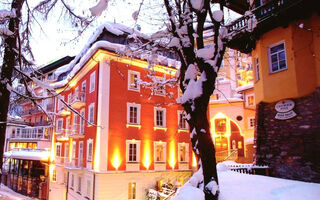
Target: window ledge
x=159, y=128
x=182, y=130
x=134, y=89
x=133, y=125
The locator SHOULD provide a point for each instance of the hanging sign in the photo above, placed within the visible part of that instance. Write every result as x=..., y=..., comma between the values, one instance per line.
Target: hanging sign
x=285, y=109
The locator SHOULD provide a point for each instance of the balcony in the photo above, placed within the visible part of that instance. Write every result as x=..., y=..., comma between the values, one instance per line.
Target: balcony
x=50, y=107
x=273, y=14
x=63, y=135
x=32, y=133
x=76, y=131
x=78, y=100
x=64, y=111
x=26, y=112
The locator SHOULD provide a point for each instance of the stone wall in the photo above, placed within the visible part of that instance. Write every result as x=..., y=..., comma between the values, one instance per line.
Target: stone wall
x=291, y=148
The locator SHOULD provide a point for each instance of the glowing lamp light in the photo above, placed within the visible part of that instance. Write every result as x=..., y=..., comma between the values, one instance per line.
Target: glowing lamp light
x=51, y=168
x=73, y=83
x=194, y=160
x=116, y=160
x=172, y=160
x=147, y=161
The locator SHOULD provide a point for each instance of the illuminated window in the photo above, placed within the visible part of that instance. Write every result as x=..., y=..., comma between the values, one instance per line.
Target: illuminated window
x=183, y=150
x=54, y=175
x=82, y=113
x=159, y=151
x=133, y=113
x=133, y=151
x=59, y=125
x=133, y=78
x=251, y=122
x=277, y=57
x=250, y=100
x=79, y=184
x=181, y=120
x=92, y=81
x=239, y=145
x=220, y=126
x=159, y=117
x=256, y=69
x=83, y=90
x=89, y=150
x=58, y=149
x=91, y=113
x=80, y=156
x=74, y=146
x=132, y=191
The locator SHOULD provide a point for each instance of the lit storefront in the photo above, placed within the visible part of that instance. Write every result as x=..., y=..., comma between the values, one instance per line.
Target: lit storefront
x=26, y=172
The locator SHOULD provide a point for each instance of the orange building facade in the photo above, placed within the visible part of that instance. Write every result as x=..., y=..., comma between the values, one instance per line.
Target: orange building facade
x=131, y=137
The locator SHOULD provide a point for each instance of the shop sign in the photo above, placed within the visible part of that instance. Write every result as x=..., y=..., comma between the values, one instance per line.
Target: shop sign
x=285, y=115
x=284, y=105
x=284, y=109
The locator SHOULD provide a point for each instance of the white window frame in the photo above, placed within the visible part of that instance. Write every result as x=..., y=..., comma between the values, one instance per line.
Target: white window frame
x=269, y=57
x=82, y=122
x=80, y=154
x=138, y=106
x=59, y=129
x=130, y=87
x=249, y=122
x=89, y=157
x=66, y=150
x=74, y=148
x=58, y=145
x=92, y=81
x=84, y=85
x=91, y=113
x=256, y=69
x=54, y=175
x=247, y=100
x=179, y=116
x=137, y=142
x=164, y=145
x=164, y=124
x=187, y=152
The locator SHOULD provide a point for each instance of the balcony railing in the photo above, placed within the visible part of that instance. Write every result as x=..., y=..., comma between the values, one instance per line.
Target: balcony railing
x=78, y=100
x=67, y=162
x=262, y=12
x=76, y=131
x=32, y=133
x=268, y=16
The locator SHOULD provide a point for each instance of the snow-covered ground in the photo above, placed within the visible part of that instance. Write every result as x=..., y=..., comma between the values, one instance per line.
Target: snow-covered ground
x=237, y=186
x=7, y=194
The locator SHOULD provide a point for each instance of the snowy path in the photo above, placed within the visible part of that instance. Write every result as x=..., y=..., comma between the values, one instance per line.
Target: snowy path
x=236, y=186
x=7, y=194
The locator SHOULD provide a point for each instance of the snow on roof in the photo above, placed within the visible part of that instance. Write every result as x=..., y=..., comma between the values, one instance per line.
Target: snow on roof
x=244, y=87
x=93, y=45
x=28, y=154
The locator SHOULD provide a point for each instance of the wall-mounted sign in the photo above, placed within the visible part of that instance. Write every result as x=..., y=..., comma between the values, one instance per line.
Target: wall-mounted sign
x=285, y=109
x=286, y=115
x=284, y=105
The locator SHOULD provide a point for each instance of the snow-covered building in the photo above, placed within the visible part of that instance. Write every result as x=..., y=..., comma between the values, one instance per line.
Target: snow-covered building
x=129, y=134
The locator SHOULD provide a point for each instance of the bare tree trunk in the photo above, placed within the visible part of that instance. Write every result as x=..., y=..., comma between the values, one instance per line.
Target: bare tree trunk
x=9, y=62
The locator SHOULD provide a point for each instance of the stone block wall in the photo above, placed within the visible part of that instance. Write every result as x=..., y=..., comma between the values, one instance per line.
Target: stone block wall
x=291, y=148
